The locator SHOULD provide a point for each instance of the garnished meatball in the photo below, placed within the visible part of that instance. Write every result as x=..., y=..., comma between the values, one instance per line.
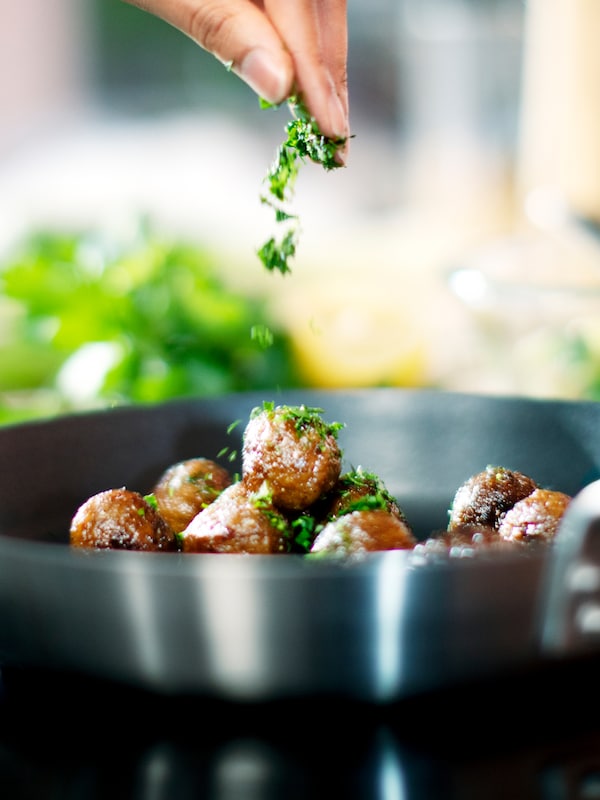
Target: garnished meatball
x=486, y=496
x=536, y=518
x=120, y=519
x=294, y=451
x=187, y=487
x=359, y=532
x=358, y=490
x=240, y=520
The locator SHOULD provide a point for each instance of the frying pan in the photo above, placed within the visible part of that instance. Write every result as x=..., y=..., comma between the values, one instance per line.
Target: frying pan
x=257, y=628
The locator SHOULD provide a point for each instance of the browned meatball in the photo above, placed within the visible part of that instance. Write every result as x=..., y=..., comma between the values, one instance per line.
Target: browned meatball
x=120, y=519
x=536, y=518
x=294, y=450
x=358, y=490
x=239, y=521
x=359, y=532
x=486, y=496
x=187, y=487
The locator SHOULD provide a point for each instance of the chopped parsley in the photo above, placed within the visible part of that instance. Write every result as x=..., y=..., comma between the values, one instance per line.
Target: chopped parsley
x=226, y=451
x=304, y=528
x=304, y=141
x=262, y=334
x=302, y=416
x=262, y=500
x=152, y=502
x=359, y=490
x=231, y=454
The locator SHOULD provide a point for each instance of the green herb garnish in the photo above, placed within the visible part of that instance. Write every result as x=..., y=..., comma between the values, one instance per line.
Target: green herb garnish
x=227, y=451
x=304, y=528
x=262, y=334
x=231, y=454
x=302, y=416
x=304, y=141
x=151, y=500
x=359, y=490
x=263, y=501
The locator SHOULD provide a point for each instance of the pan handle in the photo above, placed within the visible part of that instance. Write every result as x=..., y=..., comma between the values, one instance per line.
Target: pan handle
x=570, y=607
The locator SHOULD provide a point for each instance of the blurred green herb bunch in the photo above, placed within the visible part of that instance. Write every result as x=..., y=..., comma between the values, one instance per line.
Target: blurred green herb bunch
x=87, y=321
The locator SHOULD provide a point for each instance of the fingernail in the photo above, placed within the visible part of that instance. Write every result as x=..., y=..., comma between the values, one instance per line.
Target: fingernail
x=337, y=117
x=341, y=155
x=263, y=73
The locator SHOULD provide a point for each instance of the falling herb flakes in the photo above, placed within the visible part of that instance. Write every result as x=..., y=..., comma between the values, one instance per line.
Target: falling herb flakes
x=304, y=141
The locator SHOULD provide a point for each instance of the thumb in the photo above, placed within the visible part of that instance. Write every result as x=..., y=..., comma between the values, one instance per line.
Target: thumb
x=236, y=32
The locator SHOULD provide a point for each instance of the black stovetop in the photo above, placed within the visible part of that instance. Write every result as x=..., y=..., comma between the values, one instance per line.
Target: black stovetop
x=531, y=736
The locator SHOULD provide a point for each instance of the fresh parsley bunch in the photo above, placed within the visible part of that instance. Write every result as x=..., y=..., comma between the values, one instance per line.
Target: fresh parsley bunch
x=91, y=320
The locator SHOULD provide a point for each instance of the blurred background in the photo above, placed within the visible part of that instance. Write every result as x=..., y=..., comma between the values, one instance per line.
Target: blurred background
x=457, y=250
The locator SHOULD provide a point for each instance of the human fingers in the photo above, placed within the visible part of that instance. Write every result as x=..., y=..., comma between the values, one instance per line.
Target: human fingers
x=315, y=33
x=239, y=34
x=333, y=25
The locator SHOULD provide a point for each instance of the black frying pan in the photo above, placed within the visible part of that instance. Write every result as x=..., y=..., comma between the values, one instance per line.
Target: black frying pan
x=270, y=627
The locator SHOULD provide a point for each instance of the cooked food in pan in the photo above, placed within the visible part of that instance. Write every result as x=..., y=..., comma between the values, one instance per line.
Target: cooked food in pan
x=359, y=515
x=535, y=517
x=186, y=488
x=498, y=508
x=121, y=519
x=484, y=498
x=357, y=532
x=359, y=490
x=292, y=497
x=294, y=450
x=240, y=520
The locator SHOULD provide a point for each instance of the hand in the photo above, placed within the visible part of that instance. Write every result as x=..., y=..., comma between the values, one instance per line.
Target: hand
x=278, y=47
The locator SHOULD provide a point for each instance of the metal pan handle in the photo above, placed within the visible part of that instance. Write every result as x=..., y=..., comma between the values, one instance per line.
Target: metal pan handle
x=570, y=607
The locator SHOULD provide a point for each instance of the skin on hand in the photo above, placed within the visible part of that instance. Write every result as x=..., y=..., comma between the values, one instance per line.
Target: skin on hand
x=278, y=47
